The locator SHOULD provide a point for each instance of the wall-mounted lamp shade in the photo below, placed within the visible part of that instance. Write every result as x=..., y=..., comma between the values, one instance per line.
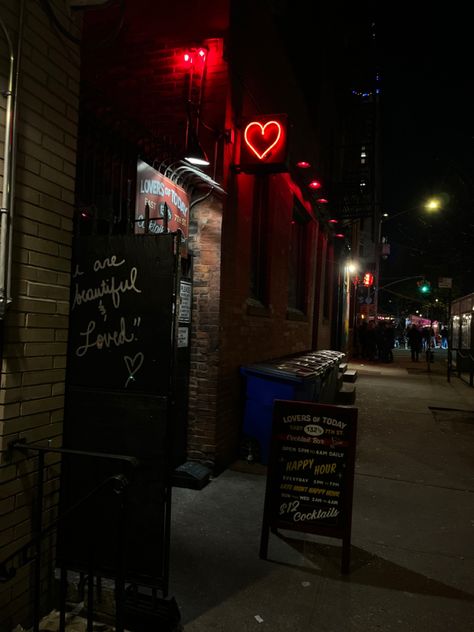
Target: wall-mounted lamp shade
x=195, y=154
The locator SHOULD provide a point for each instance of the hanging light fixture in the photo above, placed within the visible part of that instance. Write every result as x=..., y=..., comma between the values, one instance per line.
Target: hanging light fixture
x=195, y=154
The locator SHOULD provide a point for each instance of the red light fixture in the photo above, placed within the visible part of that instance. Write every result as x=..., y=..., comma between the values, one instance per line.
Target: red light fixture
x=322, y=201
x=193, y=55
x=302, y=164
x=314, y=184
x=339, y=235
x=333, y=221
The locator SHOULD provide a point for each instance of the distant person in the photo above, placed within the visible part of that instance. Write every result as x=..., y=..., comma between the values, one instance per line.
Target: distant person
x=370, y=341
x=425, y=338
x=361, y=339
x=444, y=338
x=432, y=340
x=415, y=339
x=390, y=341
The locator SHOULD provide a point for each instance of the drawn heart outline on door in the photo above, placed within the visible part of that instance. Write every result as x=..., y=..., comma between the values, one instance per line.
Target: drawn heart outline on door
x=133, y=366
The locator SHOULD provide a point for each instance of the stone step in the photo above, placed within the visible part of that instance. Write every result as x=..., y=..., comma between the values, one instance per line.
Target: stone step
x=340, y=380
x=343, y=367
x=347, y=394
x=350, y=375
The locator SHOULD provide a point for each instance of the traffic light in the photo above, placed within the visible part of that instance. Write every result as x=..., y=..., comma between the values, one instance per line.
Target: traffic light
x=368, y=279
x=424, y=286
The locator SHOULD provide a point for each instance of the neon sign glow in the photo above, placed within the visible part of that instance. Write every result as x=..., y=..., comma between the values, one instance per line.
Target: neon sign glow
x=261, y=139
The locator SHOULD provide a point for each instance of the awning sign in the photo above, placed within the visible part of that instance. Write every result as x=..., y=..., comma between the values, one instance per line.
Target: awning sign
x=161, y=204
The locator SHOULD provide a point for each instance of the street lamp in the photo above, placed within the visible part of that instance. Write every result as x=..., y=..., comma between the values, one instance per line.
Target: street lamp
x=431, y=205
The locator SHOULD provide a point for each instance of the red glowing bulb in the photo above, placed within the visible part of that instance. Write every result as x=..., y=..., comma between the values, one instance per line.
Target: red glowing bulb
x=321, y=201
x=188, y=59
x=339, y=235
x=302, y=164
x=314, y=184
x=333, y=221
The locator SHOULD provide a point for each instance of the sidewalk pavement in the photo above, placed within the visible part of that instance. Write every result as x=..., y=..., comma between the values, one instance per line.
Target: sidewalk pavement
x=412, y=565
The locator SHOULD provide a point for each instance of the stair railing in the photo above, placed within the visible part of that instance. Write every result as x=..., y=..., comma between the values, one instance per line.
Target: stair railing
x=31, y=551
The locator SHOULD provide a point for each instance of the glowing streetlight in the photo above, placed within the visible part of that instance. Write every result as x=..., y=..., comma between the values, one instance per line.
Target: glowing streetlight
x=433, y=204
x=352, y=267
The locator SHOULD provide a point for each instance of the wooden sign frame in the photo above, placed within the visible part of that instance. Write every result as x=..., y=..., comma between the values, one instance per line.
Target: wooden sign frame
x=310, y=478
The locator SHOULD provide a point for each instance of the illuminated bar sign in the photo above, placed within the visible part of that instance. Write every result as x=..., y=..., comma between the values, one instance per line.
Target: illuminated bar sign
x=157, y=196
x=264, y=144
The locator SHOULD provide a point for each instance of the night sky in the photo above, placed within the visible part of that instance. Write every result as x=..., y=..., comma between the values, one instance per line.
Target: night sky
x=424, y=55
x=427, y=143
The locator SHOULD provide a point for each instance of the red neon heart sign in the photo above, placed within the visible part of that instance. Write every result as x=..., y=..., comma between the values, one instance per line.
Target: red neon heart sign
x=261, y=139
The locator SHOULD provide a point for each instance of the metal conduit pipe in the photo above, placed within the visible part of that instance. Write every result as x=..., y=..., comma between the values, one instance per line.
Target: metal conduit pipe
x=9, y=162
x=5, y=206
x=14, y=145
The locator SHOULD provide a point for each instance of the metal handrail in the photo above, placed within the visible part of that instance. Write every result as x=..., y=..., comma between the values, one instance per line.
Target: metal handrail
x=121, y=482
x=5, y=575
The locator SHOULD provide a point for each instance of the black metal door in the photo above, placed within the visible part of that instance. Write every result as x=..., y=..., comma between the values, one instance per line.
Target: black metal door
x=119, y=399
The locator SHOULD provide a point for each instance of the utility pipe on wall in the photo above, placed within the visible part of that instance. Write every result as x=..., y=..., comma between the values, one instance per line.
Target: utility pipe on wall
x=9, y=162
x=5, y=207
x=16, y=92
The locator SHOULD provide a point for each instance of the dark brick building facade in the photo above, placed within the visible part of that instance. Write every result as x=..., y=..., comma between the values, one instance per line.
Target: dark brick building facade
x=142, y=77
x=265, y=258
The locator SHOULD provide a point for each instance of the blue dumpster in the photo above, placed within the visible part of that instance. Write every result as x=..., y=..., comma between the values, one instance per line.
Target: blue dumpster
x=290, y=379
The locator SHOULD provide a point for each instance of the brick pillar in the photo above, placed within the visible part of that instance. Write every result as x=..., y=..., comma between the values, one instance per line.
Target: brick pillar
x=205, y=245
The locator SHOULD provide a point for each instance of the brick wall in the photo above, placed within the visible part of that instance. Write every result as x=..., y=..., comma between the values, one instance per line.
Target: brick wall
x=250, y=333
x=35, y=328
x=205, y=238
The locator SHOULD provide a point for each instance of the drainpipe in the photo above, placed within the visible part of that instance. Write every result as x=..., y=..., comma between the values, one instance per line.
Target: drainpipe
x=9, y=160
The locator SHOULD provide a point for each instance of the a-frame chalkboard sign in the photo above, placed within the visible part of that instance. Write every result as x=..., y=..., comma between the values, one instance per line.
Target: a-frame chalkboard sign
x=311, y=472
